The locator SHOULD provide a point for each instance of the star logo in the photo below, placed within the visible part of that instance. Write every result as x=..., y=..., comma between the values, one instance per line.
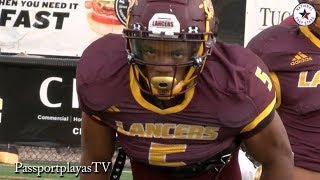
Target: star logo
x=305, y=14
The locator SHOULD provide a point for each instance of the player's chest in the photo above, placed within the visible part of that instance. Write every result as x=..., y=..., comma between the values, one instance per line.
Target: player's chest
x=132, y=119
x=200, y=119
x=300, y=89
x=181, y=126
x=299, y=70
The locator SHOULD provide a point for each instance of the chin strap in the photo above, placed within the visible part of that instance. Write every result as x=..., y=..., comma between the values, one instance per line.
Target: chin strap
x=118, y=165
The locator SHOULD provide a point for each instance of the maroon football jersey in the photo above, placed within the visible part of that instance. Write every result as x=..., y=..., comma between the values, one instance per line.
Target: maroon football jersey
x=289, y=21
x=234, y=99
x=293, y=58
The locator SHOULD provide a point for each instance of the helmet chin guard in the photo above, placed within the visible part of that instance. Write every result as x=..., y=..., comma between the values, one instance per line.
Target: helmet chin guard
x=180, y=23
x=162, y=85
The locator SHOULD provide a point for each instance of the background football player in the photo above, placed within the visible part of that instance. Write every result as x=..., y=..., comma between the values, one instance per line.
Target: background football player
x=292, y=55
x=180, y=102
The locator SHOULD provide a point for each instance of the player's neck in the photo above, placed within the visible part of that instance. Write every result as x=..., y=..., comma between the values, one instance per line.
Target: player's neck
x=163, y=104
x=172, y=102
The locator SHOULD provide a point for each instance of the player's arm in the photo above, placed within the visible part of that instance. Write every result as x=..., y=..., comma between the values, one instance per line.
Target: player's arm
x=97, y=145
x=271, y=148
x=264, y=136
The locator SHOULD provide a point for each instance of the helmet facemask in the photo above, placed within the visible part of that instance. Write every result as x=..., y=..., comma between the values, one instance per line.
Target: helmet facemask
x=164, y=67
x=166, y=55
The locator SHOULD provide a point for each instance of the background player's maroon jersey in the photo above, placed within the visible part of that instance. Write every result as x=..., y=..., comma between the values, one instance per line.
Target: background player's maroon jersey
x=289, y=21
x=234, y=98
x=292, y=53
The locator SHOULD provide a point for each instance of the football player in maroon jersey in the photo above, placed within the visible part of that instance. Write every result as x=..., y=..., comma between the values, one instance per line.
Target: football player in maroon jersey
x=180, y=102
x=292, y=56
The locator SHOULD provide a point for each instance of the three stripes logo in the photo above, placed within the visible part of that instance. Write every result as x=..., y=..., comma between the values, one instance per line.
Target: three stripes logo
x=1, y=106
x=300, y=58
x=112, y=109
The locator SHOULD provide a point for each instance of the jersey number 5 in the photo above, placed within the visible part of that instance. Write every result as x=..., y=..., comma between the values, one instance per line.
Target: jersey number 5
x=264, y=78
x=158, y=153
